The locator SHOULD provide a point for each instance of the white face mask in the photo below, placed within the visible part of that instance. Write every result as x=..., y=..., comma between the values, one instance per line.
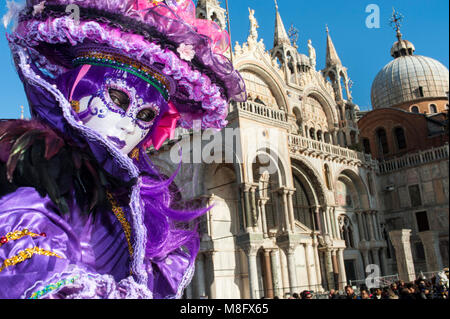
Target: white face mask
x=119, y=114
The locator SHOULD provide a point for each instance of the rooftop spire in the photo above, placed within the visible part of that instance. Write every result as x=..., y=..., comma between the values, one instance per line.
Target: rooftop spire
x=332, y=56
x=401, y=47
x=396, y=22
x=281, y=36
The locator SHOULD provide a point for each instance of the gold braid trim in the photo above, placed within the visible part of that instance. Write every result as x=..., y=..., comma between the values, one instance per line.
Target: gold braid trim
x=26, y=254
x=17, y=235
x=118, y=211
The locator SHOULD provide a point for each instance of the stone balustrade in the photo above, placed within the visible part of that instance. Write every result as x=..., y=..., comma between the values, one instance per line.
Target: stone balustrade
x=309, y=146
x=418, y=158
x=260, y=110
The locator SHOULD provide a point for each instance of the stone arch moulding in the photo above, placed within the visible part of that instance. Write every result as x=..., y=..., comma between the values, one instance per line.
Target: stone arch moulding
x=271, y=78
x=313, y=179
x=358, y=184
x=277, y=161
x=327, y=103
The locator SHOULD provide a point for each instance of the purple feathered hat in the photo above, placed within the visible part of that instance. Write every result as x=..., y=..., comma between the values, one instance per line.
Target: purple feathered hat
x=155, y=39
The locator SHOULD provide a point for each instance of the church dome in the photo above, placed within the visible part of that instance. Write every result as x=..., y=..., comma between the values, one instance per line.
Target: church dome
x=408, y=77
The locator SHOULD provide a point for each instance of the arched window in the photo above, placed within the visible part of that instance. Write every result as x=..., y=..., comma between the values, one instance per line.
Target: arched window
x=433, y=108
x=302, y=211
x=415, y=109
x=400, y=138
x=312, y=134
x=382, y=142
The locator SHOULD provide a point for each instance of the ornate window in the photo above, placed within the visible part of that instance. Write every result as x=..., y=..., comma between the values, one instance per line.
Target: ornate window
x=346, y=230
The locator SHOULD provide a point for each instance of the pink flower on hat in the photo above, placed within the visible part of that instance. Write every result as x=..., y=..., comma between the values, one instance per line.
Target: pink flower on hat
x=186, y=52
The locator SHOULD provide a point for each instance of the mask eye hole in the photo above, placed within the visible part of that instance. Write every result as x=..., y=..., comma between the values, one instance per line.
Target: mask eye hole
x=146, y=115
x=119, y=98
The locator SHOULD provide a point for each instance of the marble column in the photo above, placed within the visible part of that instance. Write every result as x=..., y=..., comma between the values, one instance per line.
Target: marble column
x=361, y=230
x=370, y=225
x=401, y=241
x=335, y=268
x=329, y=269
x=365, y=254
x=262, y=205
x=200, y=276
x=284, y=272
x=254, y=213
x=430, y=241
x=326, y=223
x=276, y=273
x=317, y=262
x=306, y=247
x=335, y=137
x=318, y=219
x=376, y=257
x=342, y=274
x=377, y=222
x=252, y=272
x=291, y=209
x=292, y=272
x=375, y=225
x=247, y=208
x=334, y=222
x=269, y=291
x=284, y=201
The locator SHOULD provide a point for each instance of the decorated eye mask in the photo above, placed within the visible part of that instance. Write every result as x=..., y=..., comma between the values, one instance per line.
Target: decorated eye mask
x=122, y=99
x=121, y=107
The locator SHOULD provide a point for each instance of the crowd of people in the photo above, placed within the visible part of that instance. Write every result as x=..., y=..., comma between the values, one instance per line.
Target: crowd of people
x=422, y=288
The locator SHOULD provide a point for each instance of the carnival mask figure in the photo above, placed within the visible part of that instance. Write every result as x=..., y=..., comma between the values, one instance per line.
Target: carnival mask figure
x=83, y=211
x=120, y=106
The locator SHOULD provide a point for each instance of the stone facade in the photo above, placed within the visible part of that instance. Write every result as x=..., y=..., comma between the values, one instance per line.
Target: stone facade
x=294, y=207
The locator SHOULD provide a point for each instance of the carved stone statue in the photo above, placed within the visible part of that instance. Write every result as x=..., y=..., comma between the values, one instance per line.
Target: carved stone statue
x=312, y=54
x=253, y=25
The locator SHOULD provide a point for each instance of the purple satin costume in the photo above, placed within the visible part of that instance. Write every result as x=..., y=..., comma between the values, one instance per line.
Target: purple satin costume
x=89, y=245
x=85, y=256
x=136, y=250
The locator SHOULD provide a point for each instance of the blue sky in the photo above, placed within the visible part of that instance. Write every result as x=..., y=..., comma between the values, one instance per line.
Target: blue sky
x=362, y=50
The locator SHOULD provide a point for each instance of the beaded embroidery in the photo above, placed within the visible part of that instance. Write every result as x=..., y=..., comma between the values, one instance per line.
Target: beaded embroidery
x=17, y=235
x=126, y=64
x=118, y=211
x=26, y=254
x=51, y=287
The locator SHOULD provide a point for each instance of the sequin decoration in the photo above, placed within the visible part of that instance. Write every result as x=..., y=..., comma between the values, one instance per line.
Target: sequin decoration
x=120, y=215
x=17, y=235
x=26, y=254
x=51, y=287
